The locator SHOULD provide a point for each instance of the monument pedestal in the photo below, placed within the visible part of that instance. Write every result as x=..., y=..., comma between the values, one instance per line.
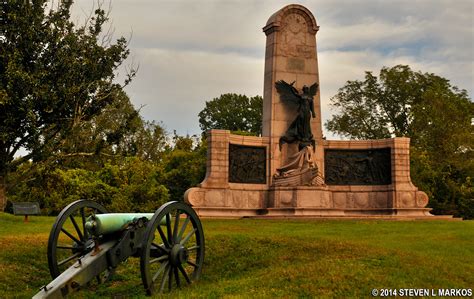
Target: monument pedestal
x=300, y=197
x=325, y=201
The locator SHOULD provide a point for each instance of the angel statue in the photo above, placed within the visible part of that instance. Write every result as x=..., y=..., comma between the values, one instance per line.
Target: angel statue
x=300, y=128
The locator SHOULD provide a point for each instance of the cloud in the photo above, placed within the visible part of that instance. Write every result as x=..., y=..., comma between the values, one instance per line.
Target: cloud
x=353, y=64
x=174, y=85
x=193, y=51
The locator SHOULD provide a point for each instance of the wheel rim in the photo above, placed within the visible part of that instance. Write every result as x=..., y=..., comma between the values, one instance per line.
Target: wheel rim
x=68, y=239
x=173, y=253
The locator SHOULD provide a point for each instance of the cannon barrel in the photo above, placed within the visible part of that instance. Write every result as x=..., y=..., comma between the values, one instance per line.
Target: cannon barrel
x=102, y=224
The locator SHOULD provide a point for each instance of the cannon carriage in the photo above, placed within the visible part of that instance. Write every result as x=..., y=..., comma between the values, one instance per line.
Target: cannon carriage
x=87, y=243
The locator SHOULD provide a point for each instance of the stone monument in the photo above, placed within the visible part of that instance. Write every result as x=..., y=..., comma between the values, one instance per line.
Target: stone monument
x=291, y=170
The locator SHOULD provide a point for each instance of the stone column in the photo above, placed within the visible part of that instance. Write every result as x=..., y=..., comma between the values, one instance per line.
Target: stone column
x=405, y=195
x=217, y=175
x=290, y=55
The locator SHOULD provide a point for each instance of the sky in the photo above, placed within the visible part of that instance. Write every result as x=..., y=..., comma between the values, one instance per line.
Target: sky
x=190, y=52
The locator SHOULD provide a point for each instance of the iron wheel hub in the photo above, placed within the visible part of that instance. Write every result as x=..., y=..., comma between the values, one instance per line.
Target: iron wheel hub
x=179, y=254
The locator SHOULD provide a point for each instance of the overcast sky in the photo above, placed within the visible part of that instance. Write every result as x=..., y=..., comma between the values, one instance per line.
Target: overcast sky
x=190, y=52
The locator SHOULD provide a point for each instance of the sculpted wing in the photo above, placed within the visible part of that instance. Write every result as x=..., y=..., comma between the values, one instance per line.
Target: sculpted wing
x=288, y=93
x=313, y=89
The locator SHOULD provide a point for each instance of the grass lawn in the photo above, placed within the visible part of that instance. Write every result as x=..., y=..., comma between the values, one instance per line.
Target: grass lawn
x=269, y=258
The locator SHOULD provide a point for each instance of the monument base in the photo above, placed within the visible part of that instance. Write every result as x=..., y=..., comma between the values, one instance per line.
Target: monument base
x=383, y=200
x=321, y=213
x=376, y=214
x=355, y=213
x=229, y=213
x=303, y=202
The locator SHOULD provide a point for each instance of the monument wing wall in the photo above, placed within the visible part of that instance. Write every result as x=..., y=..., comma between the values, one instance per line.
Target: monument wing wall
x=234, y=186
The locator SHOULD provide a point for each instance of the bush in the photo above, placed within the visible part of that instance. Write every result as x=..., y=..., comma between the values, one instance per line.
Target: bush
x=184, y=168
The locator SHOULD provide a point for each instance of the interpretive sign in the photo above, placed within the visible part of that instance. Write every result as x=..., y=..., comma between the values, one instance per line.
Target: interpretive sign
x=26, y=208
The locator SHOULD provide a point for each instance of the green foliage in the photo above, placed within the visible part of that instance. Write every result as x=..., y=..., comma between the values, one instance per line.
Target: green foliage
x=110, y=135
x=243, y=133
x=233, y=112
x=133, y=186
x=139, y=185
x=433, y=113
x=149, y=142
x=54, y=76
x=184, y=166
x=118, y=132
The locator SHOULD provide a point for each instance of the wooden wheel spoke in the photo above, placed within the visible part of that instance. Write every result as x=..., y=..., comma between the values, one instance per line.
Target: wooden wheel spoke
x=65, y=247
x=176, y=277
x=193, y=248
x=183, y=228
x=162, y=267
x=181, y=269
x=69, y=258
x=162, y=235
x=176, y=225
x=170, y=278
x=158, y=259
x=192, y=264
x=83, y=218
x=163, y=280
x=168, y=228
x=160, y=247
x=78, y=230
x=188, y=236
x=70, y=235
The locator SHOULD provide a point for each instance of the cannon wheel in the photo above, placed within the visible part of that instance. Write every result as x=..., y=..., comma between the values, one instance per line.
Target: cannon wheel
x=68, y=239
x=173, y=248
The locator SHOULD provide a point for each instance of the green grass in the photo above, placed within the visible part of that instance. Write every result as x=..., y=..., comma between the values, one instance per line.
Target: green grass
x=268, y=258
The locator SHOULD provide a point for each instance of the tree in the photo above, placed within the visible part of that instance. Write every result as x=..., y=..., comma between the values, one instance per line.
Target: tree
x=118, y=132
x=233, y=112
x=428, y=109
x=150, y=142
x=53, y=77
x=109, y=135
x=184, y=165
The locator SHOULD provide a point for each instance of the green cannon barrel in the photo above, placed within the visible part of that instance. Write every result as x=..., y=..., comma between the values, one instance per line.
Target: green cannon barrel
x=102, y=224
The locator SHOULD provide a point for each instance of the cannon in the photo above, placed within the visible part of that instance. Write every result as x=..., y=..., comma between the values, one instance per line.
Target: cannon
x=87, y=243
